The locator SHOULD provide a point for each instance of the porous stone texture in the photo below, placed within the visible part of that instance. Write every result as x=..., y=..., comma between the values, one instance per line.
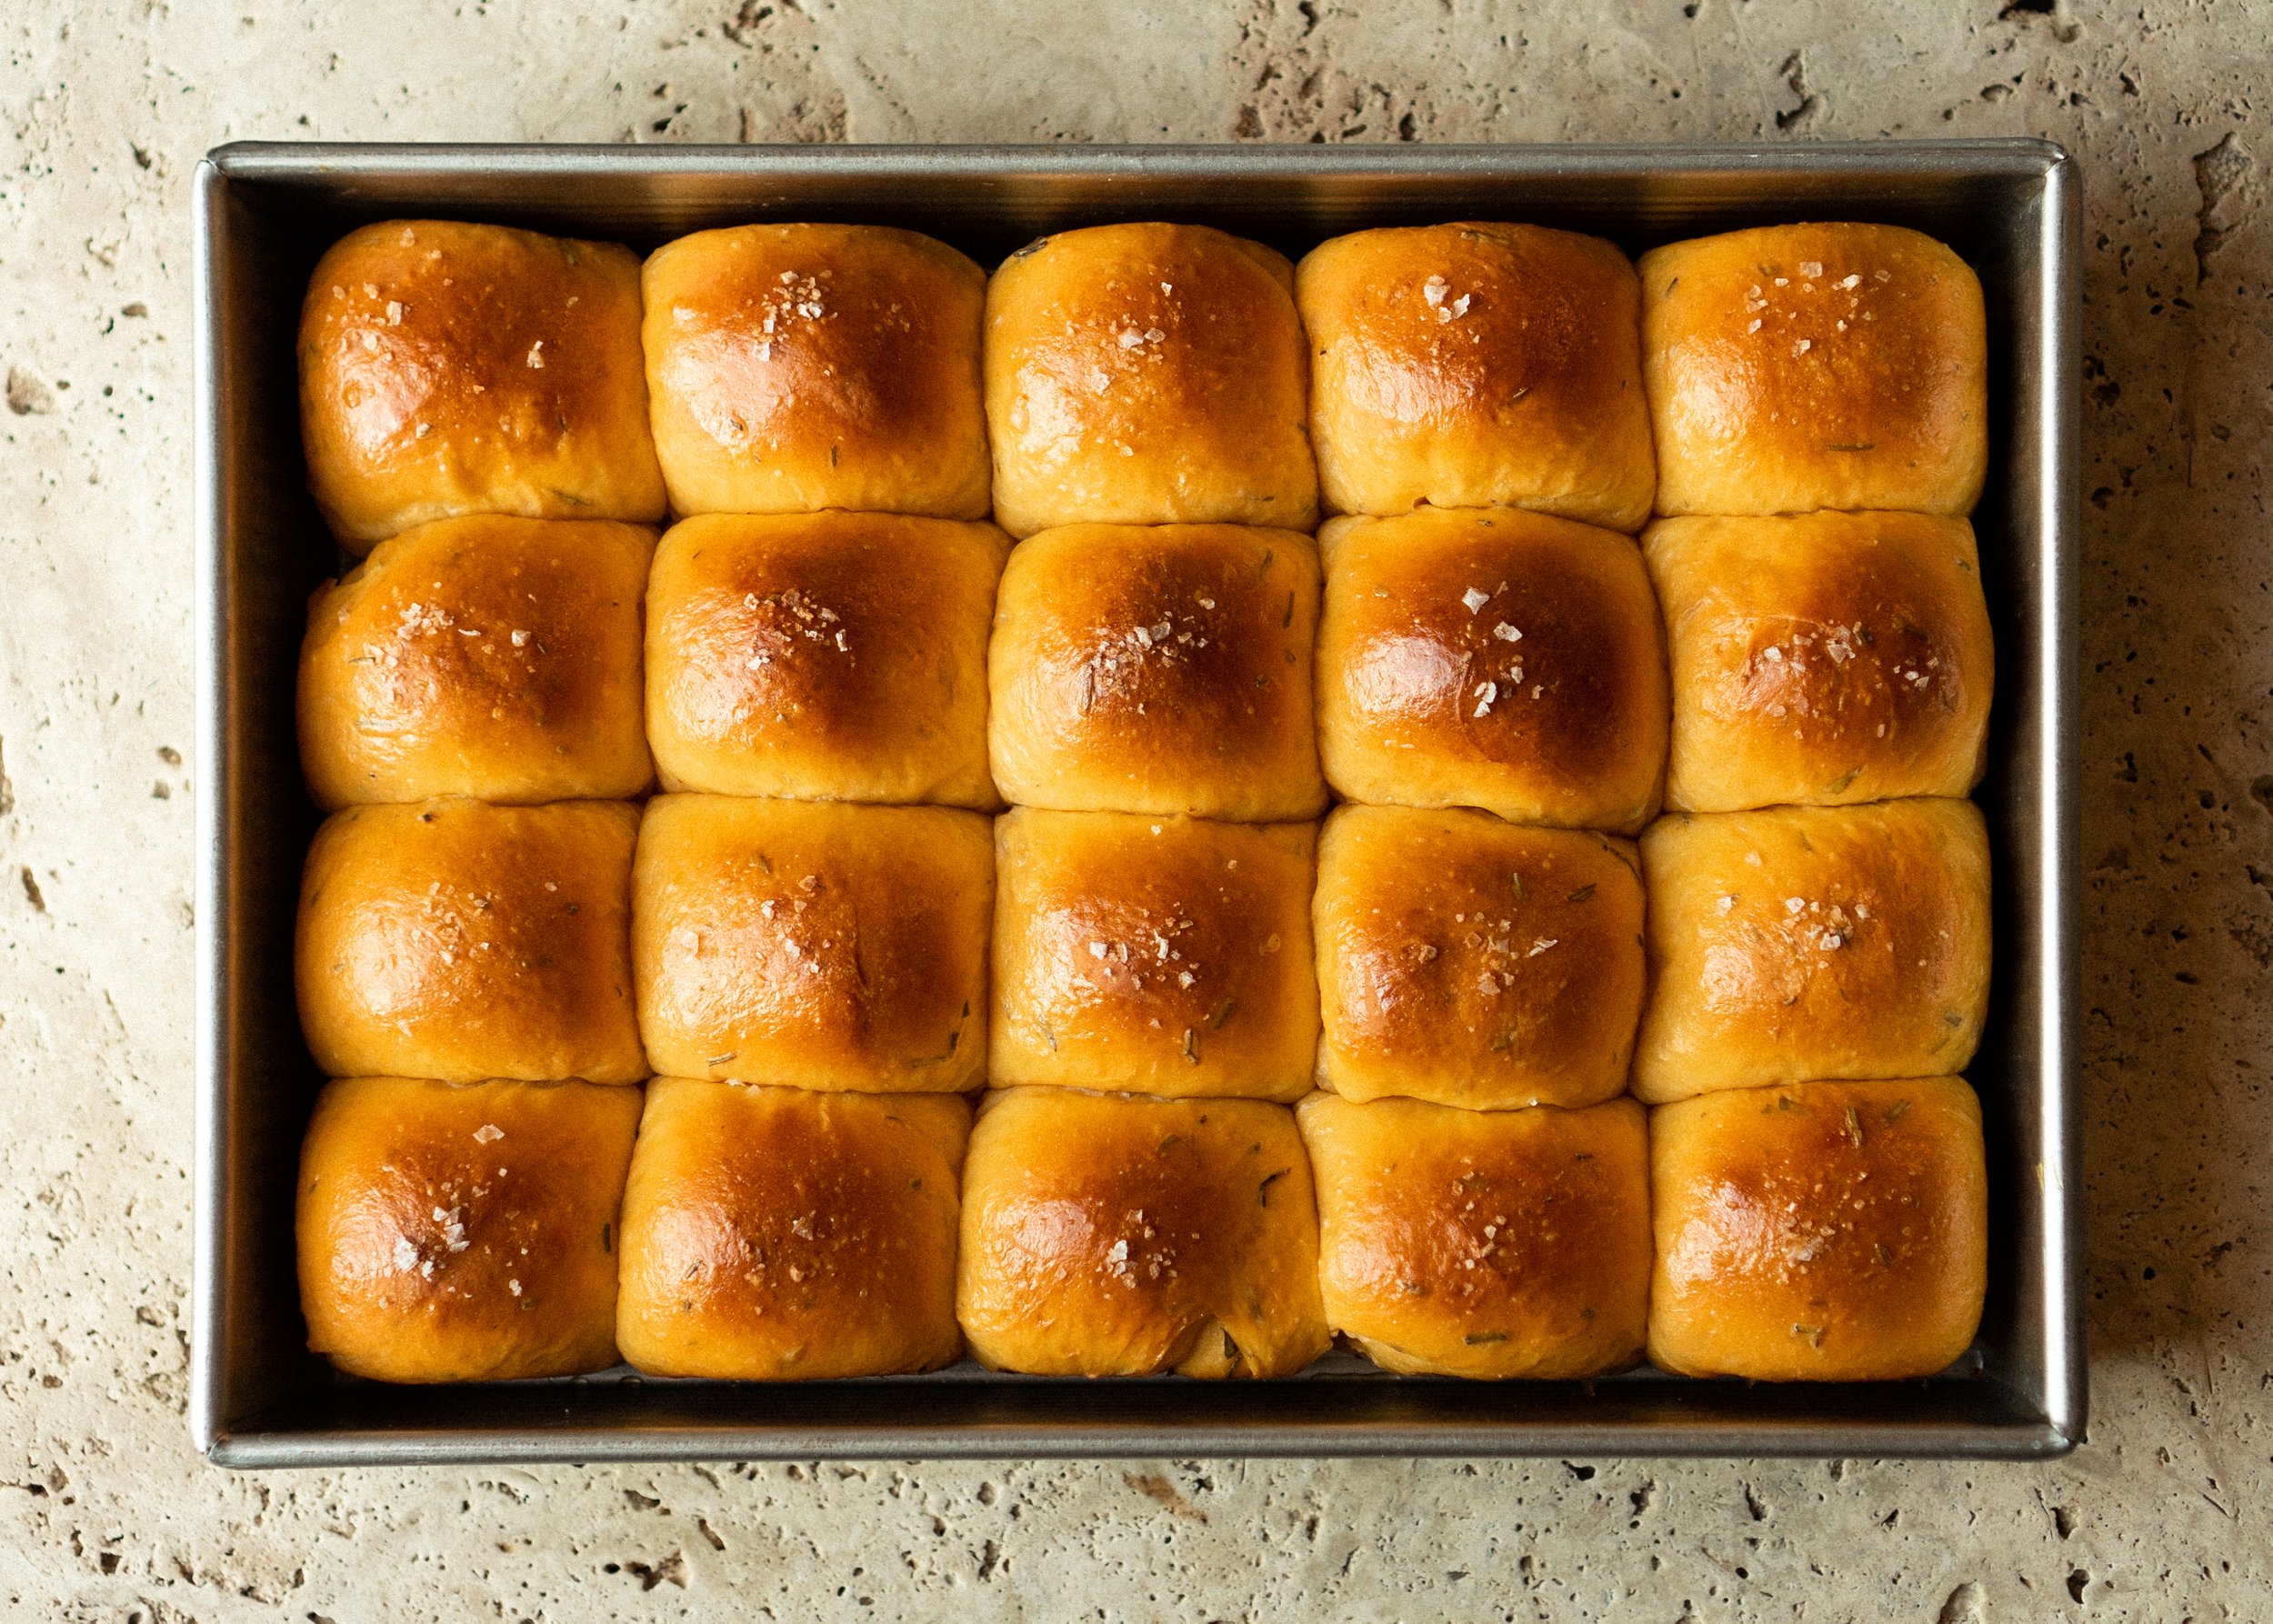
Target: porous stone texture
x=105, y=1511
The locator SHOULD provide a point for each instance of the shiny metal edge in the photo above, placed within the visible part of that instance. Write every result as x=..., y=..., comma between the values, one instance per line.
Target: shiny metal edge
x=209, y=593
x=327, y=163
x=260, y=1451
x=2060, y=406
x=316, y=169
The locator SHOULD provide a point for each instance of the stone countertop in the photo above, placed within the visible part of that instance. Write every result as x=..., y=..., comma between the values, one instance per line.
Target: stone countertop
x=105, y=1514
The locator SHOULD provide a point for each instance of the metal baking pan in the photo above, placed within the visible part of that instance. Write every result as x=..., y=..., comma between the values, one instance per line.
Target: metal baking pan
x=265, y=212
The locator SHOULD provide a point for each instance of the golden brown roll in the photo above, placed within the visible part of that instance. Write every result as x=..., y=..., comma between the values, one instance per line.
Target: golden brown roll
x=1110, y=1235
x=815, y=945
x=1478, y=365
x=1793, y=367
x=779, y=1235
x=1822, y=660
x=457, y=940
x=489, y=657
x=1475, y=962
x=1147, y=375
x=449, y=369
x=823, y=657
x=797, y=367
x=1486, y=1244
x=1158, y=669
x=1819, y=1231
x=1166, y=956
x=1808, y=942
x=463, y=1232
x=1493, y=658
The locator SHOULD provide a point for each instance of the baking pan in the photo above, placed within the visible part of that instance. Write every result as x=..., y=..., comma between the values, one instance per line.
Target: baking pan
x=263, y=212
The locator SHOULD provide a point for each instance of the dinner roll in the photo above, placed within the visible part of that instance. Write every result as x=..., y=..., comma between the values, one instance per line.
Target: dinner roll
x=815, y=945
x=457, y=940
x=1110, y=1235
x=1160, y=955
x=463, y=1232
x=1162, y=669
x=797, y=367
x=486, y=655
x=1147, y=375
x=1483, y=1243
x=823, y=657
x=449, y=369
x=1475, y=962
x=1492, y=658
x=1819, y=1231
x=779, y=1235
x=1808, y=942
x=1793, y=367
x=1478, y=365
x=1822, y=660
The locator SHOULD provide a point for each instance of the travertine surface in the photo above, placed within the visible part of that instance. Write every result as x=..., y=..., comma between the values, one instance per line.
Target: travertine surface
x=105, y=1512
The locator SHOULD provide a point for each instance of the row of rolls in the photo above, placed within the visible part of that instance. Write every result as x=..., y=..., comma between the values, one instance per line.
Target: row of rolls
x=1553, y=673
x=1253, y=1080
x=745, y=1232
x=1138, y=374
